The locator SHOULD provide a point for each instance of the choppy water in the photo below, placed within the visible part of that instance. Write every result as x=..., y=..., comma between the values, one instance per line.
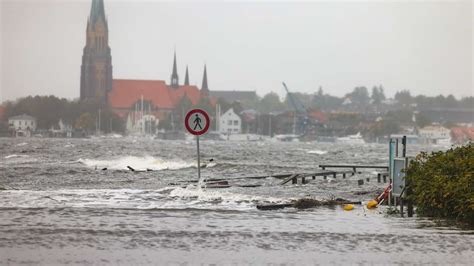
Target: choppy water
x=61, y=208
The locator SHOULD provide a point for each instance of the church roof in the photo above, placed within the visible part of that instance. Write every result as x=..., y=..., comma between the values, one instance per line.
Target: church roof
x=192, y=92
x=22, y=117
x=126, y=92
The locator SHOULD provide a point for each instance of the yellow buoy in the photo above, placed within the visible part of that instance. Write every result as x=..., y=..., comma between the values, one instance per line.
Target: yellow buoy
x=348, y=207
x=372, y=204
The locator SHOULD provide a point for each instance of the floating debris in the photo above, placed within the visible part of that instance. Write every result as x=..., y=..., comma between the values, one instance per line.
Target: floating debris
x=307, y=203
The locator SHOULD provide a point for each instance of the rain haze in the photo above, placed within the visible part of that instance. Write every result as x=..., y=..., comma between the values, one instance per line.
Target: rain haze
x=236, y=133
x=424, y=46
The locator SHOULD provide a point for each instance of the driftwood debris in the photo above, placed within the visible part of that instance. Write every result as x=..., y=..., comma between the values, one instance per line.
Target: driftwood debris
x=307, y=203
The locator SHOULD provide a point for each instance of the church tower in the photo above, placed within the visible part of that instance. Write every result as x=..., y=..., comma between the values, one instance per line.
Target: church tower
x=186, y=77
x=174, y=75
x=96, y=69
x=204, y=87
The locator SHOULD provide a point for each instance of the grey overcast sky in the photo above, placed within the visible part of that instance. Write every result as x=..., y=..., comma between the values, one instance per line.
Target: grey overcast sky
x=422, y=46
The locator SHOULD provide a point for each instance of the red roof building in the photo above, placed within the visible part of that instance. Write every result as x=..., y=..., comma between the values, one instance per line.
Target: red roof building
x=462, y=135
x=126, y=93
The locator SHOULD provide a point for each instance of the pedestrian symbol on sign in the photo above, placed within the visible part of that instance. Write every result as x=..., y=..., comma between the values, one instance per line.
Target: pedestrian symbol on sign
x=197, y=122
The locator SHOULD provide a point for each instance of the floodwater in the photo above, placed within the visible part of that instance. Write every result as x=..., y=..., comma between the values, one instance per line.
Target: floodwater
x=60, y=207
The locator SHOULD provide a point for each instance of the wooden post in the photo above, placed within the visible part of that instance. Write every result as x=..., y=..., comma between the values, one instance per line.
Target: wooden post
x=303, y=180
x=294, y=180
x=325, y=177
x=401, y=206
x=409, y=208
x=385, y=178
x=314, y=177
x=334, y=175
x=409, y=202
x=379, y=175
x=343, y=175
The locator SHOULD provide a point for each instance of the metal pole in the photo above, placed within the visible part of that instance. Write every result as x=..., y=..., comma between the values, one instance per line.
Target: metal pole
x=199, y=162
x=404, y=143
x=396, y=148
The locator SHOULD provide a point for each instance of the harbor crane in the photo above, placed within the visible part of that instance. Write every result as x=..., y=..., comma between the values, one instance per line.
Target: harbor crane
x=300, y=118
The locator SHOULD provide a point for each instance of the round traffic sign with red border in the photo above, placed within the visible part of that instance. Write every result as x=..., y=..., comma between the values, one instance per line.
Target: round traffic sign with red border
x=197, y=122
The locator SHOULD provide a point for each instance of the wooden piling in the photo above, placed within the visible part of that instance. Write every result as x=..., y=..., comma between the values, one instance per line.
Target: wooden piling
x=401, y=206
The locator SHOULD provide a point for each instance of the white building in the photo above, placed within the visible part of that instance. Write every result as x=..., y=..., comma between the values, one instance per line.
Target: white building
x=61, y=130
x=23, y=125
x=146, y=124
x=435, y=135
x=230, y=123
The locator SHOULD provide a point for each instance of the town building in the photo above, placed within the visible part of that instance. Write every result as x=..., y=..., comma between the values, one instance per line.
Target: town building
x=230, y=123
x=434, y=135
x=462, y=135
x=61, y=130
x=22, y=125
x=131, y=99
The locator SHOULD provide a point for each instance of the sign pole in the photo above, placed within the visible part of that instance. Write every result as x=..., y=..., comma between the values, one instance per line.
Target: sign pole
x=199, y=162
x=197, y=122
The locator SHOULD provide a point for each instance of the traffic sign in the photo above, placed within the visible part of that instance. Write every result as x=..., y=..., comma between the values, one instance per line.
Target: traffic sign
x=197, y=122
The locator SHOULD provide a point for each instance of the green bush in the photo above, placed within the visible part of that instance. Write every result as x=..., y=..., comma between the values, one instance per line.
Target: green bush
x=442, y=183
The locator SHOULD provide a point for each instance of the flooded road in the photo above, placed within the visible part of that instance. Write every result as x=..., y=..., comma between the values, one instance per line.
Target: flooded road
x=60, y=207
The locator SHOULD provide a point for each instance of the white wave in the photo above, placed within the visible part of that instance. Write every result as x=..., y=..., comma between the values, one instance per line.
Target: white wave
x=319, y=152
x=22, y=144
x=164, y=198
x=138, y=163
x=14, y=156
x=205, y=195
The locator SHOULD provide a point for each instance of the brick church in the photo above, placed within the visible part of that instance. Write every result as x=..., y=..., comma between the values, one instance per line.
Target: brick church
x=130, y=99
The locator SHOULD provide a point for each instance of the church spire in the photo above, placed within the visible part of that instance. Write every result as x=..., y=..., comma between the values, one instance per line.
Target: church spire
x=174, y=75
x=97, y=11
x=186, y=77
x=204, y=87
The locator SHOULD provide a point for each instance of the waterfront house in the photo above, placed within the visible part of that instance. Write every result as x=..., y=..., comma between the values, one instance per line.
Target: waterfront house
x=23, y=125
x=230, y=123
x=434, y=135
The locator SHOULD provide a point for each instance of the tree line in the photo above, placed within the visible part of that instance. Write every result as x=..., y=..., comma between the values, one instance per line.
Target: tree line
x=82, y=115
x=360, y=100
